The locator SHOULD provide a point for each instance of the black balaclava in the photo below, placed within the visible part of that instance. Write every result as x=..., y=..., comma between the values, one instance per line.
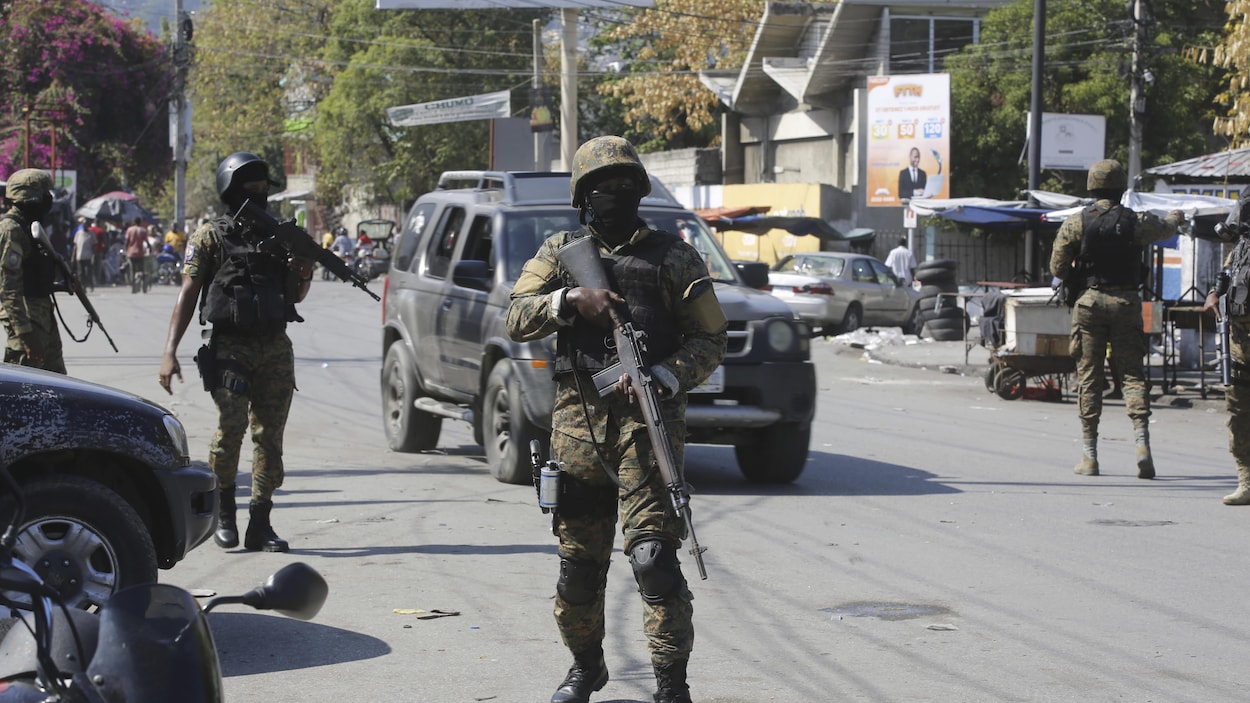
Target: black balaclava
x=614, y=213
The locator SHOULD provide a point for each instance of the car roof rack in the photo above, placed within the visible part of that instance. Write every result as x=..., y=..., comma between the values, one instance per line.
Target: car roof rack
x=523, y=187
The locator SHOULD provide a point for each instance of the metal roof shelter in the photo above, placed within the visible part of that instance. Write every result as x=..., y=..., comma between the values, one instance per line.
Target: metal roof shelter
x=1234, y=163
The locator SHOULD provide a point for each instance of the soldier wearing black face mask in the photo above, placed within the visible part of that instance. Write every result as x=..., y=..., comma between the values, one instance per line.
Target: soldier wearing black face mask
x=600, y=442
x=247, y=292
x=27, y=276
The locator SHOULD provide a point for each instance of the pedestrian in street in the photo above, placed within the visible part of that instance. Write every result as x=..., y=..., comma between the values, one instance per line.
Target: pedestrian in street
x=136, y=250
x=84, y=253
x=1233, y=284
x=901, y=261
x=601, y=443
x=248, y=296
x=28, y=276
x=1100, y=250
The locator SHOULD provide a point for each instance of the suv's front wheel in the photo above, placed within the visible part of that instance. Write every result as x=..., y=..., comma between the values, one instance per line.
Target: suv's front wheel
x=407, y=429
x=506, y=430
x=775, y=454
x=84, y=540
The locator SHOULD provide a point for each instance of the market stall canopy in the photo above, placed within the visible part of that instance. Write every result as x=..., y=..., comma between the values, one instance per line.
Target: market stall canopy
x=1202, y=211
x=988, y=213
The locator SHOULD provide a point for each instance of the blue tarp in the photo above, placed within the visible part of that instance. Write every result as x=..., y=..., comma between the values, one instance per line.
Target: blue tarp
x=989, y=217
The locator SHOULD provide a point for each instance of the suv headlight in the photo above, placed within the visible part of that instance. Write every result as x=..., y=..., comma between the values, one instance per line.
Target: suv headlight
x=177, y=435
x=781, y=335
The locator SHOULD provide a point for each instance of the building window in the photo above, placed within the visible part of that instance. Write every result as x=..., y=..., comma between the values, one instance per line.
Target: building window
x=921, y=44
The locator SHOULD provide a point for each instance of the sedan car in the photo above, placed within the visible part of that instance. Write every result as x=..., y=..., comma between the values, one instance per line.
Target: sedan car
x=110, y=492
x=838, y=292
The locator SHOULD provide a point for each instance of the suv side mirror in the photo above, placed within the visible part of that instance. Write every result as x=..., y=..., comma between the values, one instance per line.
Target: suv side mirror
x=473, y=274
x=754, y=273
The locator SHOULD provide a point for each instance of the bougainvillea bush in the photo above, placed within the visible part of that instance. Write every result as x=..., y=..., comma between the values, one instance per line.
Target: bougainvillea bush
x=91, y=86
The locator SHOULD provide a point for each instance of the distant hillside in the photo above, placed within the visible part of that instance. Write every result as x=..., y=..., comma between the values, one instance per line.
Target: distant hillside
x=150, y=11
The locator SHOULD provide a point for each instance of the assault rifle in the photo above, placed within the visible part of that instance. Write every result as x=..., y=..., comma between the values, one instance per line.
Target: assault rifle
x=1222, y=334
x=582, y=260
x=75, y=286
x=296, y=241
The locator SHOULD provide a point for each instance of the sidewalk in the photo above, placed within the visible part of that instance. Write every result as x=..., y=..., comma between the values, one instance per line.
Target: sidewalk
x=888, y=345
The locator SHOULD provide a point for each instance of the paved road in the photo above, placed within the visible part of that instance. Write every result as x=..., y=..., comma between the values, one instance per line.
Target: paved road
x=937, y=548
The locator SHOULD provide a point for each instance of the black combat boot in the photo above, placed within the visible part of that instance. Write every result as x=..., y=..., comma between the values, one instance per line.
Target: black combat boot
x=670, y=683
x=260, y=535
x=588, y=674
x=227, y=534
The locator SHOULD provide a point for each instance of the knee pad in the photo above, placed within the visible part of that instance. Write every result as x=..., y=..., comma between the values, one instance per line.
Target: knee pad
x=656, y=570
x=580, y=580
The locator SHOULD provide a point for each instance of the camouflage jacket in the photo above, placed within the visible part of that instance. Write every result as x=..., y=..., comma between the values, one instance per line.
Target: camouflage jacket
x=16, y=244
x=1150, y=228
x=533, y=315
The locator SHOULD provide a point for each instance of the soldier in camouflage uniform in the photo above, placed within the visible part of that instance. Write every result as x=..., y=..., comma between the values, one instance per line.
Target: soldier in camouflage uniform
x=248, y=295
x=601, y=443
x=1102, y=246
x=27, y=276
x=1234, y=284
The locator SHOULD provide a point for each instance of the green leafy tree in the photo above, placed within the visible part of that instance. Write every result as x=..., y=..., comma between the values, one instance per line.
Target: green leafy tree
x=93, y=90
x=663, y=48
x=256, y=79
x=391, y=58
x=1087, y=59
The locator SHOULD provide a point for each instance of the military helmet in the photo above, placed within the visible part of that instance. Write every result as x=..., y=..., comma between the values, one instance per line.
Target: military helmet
x=239, y=168
x=29, y=185
x=603, y=153
x=1107, y=174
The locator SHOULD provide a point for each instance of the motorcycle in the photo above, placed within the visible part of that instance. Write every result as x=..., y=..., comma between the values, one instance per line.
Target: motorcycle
x=169, y=266
x=366, y=263
x=147, y=644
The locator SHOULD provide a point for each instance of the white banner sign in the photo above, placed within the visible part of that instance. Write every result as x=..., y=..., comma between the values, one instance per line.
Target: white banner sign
x=474, y=107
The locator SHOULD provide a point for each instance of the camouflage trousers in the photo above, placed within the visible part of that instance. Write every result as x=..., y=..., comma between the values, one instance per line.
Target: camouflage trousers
x=1098, y=319
x=267, y=367
x=645, y=511
x=1237, y=397
x=46, y=335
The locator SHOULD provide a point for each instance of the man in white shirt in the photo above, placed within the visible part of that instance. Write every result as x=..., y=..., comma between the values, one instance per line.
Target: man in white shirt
x=901, y=262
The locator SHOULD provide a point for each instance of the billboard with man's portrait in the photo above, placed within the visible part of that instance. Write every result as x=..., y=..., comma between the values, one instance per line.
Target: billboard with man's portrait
x=908, y=132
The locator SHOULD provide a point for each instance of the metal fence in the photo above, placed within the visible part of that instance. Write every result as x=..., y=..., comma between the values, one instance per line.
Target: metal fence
x=989, y=257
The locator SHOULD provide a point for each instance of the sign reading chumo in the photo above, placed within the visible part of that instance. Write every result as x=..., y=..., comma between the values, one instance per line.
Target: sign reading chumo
x=908, y=138
x=487, y=106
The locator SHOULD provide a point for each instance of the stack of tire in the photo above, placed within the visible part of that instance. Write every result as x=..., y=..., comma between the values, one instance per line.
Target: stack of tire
x=940, y=316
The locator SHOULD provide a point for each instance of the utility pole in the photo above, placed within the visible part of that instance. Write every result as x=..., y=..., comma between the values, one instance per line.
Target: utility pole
x=568, y=87
x=541, y=161
x=1035, y=127
x=1137, y=101
x=178, y=112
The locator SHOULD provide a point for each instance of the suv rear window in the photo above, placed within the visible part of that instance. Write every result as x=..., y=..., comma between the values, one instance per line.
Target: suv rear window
x=527, y=230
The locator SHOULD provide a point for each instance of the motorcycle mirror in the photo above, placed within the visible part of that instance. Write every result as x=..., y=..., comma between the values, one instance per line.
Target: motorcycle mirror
x=296, y=590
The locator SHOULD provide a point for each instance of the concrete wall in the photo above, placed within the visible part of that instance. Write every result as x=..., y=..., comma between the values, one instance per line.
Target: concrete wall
x=685, y=167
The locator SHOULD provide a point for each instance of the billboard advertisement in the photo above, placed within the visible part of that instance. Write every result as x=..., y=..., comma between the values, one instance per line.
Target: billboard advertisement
x=908, y=138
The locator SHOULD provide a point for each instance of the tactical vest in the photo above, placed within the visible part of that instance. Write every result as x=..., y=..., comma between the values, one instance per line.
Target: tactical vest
x=635, y=273
x=246, y=293
x=1109, y=248
x=1239, y=279
x=38, y=269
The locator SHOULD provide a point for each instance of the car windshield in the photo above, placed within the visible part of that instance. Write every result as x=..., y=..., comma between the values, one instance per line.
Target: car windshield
x=527, y=230
x=828, y=266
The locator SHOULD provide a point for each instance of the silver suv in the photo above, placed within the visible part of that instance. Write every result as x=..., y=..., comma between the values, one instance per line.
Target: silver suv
x=446, y=354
